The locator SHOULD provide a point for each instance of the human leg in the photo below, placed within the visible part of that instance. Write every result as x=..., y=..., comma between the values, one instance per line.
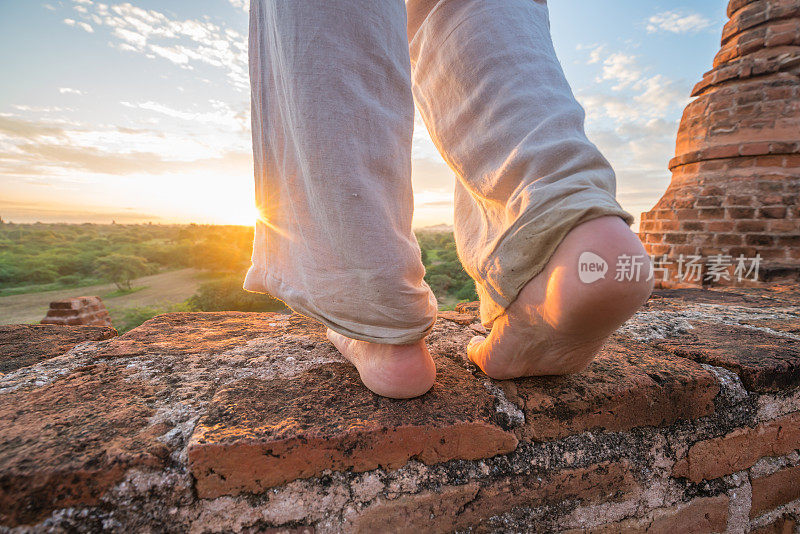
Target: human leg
x=332, y=116
x=533, y=192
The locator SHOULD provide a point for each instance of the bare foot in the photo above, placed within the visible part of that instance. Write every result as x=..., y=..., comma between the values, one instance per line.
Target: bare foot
x=396, y=371
x=558, y=323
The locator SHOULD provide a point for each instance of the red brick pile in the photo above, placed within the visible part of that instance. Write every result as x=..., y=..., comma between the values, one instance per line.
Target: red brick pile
x=78, y=311
x=688, y=421
x=736, y=173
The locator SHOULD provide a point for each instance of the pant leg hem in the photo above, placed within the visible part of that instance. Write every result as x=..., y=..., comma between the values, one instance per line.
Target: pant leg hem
x=258, y=280
x=532, y=244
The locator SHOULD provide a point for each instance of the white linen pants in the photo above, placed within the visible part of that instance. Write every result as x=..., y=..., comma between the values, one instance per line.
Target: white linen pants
x=333, y=115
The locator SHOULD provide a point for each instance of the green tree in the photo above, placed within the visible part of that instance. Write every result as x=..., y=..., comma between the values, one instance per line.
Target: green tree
x=226, y=294
x=121, y=269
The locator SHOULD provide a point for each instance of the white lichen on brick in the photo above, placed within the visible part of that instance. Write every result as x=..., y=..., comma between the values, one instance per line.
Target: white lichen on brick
x=513, y=413
x=771, y=464
x=648, y=326
x=739, y=316
x=790, y=508
x=367, y=486
x=48, y=371
x=740, y=495
x=773, y=406
x=651, y=325
x=730, y=385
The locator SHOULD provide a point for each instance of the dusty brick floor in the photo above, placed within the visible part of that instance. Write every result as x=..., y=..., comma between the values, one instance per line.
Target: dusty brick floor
x=688, y=421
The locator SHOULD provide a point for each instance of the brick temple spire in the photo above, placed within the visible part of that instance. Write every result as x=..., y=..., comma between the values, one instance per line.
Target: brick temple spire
x=736, y=171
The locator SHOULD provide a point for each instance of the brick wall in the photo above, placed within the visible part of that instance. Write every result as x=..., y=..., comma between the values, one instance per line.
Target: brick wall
x=688, y=421
x=78, y=311
x=736, y=173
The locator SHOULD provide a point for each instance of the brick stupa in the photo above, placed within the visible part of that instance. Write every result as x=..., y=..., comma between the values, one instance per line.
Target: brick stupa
x=736, y=172
x=78, y=311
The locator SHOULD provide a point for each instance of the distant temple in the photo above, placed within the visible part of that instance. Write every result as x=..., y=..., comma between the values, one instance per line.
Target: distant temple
x=736, y=171
x=78, y=311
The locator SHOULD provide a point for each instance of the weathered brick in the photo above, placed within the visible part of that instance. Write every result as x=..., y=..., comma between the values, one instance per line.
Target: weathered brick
x=739, y=213
x=703, y=515
x=712, y=213
x=692, y=226
x=724, y=151
x=712, y=202
x=770, y=161
x=686, y=214
x=772, y=253
x=66, y=443
x=754, y=149
x=674, y=238
x=792, y=241
x=784, y=524
x=626, y=386
x=774, y=490
x=261, y=433
x=763, y=361
x=770, y=199
x=772, y=212
x=22, y=345
x=759, y=240
x=747, y=225
x=426, y=512
x=739, y=200
x=468, y=507
x=720, y=226
x=729, y=239
x=739, y=449
x=456, y=317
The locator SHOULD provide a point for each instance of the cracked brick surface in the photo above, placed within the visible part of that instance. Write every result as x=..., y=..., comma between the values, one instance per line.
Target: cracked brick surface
x=24, y=345
x=258, y=434
x=764, y=362
x=628, y=385
x=242, y=422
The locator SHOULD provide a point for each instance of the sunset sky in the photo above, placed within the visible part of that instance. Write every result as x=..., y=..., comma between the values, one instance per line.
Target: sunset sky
x=139, y=111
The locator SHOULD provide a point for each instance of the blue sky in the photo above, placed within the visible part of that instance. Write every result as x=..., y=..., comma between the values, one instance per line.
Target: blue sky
x=139, y=110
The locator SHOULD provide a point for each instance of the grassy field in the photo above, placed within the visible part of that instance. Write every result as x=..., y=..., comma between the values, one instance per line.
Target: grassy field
x=157, y=290
x=142, y=270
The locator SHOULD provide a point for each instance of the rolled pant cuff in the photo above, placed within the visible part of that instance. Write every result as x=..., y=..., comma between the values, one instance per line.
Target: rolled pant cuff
x=258, y=280
x=529, y=244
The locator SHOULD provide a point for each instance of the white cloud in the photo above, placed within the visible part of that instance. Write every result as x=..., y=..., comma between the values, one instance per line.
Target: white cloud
x=172, y=54
x=132, y=38
x=660, y=94
x=244, y=5
x=221, y=115
x=83, y=25
x=633, y=119
x=69, y=91
x=40, y=109
x=677, y=22
x=636, y=95
x=48, y=147
x=621, y=68
x=185, y=43
x=596, y=54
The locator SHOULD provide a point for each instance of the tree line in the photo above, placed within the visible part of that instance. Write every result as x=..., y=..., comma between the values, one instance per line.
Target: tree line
x=47, y=256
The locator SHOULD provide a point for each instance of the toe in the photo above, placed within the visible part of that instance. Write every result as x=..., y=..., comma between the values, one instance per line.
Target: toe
x=490, y=356
x=475, y=351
